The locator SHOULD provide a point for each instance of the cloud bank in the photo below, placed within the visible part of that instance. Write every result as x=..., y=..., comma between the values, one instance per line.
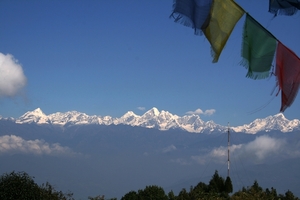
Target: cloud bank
x=257, y=151
x=12, y=78
x=11, y=144
x=201, y=112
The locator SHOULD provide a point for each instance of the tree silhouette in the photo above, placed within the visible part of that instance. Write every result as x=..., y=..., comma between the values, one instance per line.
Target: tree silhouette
x=132, y=195
x=228, y=185
x=20, y=186
x=152, y=192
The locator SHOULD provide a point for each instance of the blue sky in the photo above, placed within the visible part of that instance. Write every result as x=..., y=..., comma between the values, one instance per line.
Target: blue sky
x=109, y=57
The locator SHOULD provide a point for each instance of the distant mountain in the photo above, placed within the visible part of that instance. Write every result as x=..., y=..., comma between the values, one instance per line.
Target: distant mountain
x=153, y=118
x=87, y=154
x=277, y=122
x=162, y=120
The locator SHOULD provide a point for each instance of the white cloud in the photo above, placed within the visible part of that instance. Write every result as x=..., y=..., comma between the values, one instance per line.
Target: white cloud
x=218, y=155
x=180, y=161
x=201, y=112
x=202, y=160
x=264, y=146
x=196, y=112
x=11, y=144
x=12, y=78
x=141, y=108
x=169, y=149
x=209, y=112
x=257, y=151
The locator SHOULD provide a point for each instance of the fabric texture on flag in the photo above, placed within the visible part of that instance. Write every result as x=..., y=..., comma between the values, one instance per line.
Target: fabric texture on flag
x=288, y=75
x=192, y=13
x=284, y=7
x=224, y=15
x=258, y=49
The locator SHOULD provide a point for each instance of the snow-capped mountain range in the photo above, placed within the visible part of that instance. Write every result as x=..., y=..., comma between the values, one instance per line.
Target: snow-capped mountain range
x=162, y=120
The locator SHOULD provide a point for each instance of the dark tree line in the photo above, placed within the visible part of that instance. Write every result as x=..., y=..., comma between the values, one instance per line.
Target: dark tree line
x=218, y=188
x=20, y=186
x=257, y=192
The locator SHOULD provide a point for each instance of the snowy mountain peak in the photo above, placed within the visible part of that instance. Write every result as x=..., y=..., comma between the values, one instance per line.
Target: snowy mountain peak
x=162, y=120
x=153, y=118
x=275, y=122
x=36, y=116
x=152, y=112
x=280, y=116
x=129, y=114
x=38, y=111
x=128, y=118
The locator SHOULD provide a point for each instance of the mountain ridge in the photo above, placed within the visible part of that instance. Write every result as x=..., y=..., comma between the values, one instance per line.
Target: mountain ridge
x=162, y=120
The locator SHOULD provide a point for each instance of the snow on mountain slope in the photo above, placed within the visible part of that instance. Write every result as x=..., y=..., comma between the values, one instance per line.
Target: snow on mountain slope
x=128, y=118
x=73, y=117
x=276, y=122
x=162, y=120
x=58, y=118
x=36, y=116
x=153, y=118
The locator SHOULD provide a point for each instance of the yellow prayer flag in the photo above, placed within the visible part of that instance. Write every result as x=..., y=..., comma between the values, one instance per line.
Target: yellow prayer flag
x=224, y=15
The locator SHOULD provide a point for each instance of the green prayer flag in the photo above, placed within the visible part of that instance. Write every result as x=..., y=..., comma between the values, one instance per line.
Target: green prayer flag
x=258, y=49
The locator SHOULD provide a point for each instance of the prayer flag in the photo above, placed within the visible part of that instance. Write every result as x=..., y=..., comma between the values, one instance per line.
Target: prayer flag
x=191, y=13
x=258, y=49
x=284, y=7
x=224, y=15
x=288, y=75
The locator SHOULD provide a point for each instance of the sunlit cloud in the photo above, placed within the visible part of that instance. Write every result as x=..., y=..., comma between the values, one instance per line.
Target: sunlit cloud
x=210, y=112
x=196, y=112
x=11, y=144
x=141, y=108
x=201, y=112
x=12, y=78
x=257, y=151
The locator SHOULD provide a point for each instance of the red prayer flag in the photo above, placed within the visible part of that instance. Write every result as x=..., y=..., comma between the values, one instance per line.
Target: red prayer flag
x=288, y=75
